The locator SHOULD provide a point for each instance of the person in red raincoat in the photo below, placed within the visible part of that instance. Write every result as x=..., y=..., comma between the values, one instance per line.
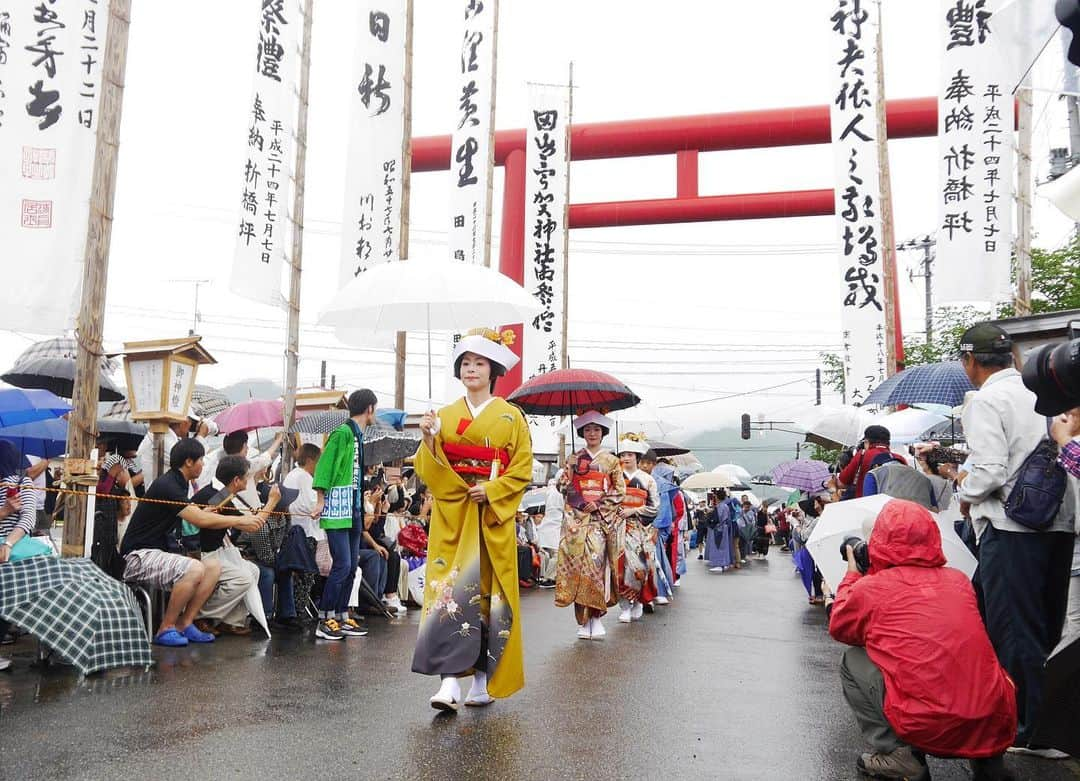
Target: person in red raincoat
x=921, y=675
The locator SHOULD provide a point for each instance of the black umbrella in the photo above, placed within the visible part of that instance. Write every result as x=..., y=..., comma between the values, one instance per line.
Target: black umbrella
x=124, y=434
x=320, y=422
x=57, y=374
x=1056, y=726
x=947, y=432
x=667, y=449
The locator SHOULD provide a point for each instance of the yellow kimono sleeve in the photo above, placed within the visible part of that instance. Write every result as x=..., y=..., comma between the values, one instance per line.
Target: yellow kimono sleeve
x=504, y=493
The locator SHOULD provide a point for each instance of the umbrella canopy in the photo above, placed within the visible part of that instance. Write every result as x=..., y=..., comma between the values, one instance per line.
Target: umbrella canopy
x=534, y=500
x=705, y=481
x=809, y=476
x=58, y=375
x=382, y=445
x=663, y=449
x=25, y=406
x=320, y=422
x=1056, y=726
x=949, y=432
x=124, y=434
x=836, y=426
x=427, y=295
x=77, y=610
x=571, y=392
x=736, y=471
x=41, y=438
x=252, y=414
x=932, y=383
x=120, y=410
x=855, y=518
x=907, y=425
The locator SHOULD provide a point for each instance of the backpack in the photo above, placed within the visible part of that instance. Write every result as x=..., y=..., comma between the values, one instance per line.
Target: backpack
x=1036, y=497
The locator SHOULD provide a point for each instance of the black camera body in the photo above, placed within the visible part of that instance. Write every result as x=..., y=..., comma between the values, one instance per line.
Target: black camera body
x=861, y=550
x=1052, y=373
x=937, y=456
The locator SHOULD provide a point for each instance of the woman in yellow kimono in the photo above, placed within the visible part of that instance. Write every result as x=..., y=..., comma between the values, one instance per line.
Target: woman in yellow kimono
x=476, y=459
x=587, y=570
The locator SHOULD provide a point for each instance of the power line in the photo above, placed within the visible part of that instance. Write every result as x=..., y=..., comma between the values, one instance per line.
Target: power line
x=732, y=395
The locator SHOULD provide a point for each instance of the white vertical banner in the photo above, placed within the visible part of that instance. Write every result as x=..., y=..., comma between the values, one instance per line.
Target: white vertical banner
x=50, y=87
x=976, y=178
x=471, y=152
x=262, y=236
x=546, y=177
x=858, y=193
x=371, y=225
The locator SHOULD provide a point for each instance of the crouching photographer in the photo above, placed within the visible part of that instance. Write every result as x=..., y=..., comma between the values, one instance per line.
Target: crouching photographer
x=921, y=676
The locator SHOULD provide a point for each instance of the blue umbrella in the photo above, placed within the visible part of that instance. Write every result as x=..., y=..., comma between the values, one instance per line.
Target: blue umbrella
x=391, y=417
x=933, y=383
x=25, y=406
x=41, y=438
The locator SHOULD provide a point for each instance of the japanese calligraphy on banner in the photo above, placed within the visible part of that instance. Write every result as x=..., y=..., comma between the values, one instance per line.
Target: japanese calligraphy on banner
x=547, y=176
x=51, y=57
x=371, y=226
x=975, y=162
x=470, y=149
x=858, y=194
x=261, y=241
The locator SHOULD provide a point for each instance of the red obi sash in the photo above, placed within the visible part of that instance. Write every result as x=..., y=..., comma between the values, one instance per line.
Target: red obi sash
x=474, y=460
x=635, y=498
x=591, y=486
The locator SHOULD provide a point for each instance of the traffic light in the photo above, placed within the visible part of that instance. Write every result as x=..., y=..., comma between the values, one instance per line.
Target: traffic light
x=1068, y=13
x=745, y=426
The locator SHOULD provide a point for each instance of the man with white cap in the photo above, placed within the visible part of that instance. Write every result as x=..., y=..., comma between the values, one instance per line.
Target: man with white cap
x=592, y=530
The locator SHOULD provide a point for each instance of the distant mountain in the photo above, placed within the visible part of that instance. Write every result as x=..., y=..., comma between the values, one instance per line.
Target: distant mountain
x=252, y=388
x=757, y=455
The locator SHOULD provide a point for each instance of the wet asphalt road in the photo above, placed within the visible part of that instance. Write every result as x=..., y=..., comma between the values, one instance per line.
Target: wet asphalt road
x=736, y=680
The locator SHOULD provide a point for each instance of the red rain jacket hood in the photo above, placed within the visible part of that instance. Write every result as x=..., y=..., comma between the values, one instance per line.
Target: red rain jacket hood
x=945, y=692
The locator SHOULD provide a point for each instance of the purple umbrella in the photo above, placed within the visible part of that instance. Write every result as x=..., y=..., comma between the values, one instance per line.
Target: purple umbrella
x=809, y=476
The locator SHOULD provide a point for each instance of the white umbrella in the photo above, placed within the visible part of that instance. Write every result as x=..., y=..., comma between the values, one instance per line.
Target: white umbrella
x=736, y=472
x=420, y=295
x=907, y=425
x=855, y=518
x=836, y=425
x=704, y=481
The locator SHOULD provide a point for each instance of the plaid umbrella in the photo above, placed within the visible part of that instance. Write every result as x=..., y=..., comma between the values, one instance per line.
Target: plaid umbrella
x=382, y=446
x=77, y=610
x=57, y=374
x=809, y=476
x=320, y=422
x=932, y=383
x=207, y=401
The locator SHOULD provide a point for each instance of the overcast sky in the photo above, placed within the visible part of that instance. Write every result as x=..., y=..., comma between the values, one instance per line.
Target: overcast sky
x=758, y=298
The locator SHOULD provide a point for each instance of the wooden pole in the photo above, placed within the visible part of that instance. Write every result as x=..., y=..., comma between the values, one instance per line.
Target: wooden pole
x=82, y=428
x=565, y=357
x=292, y=348
x=490, y=162
x=1022, y=300
x=406, y=188
x=888, y=237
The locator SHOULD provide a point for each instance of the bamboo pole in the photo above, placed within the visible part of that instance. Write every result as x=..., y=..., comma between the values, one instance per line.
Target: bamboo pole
x=292, y=348
x=82, y=428
x=1022, y=300
x=400, y=344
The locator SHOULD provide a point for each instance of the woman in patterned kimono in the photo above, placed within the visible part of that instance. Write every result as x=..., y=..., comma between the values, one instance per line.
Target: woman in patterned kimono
x=637, y=563
x=592, y=528
x=476, y=459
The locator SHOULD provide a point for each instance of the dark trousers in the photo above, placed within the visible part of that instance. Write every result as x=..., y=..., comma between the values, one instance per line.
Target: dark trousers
x=524, y=560
x=393, y=571
x=286, y=604
x=344, y=553
x=1024, y=579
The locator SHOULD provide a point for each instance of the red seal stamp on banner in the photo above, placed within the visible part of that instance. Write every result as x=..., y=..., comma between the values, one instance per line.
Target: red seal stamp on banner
x=38, y=163
x=36, y=214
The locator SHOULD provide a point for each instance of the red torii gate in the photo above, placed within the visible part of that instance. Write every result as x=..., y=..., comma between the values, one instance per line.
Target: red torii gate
x=684, y=137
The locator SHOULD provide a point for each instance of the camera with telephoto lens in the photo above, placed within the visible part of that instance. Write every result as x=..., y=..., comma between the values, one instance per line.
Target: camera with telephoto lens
x=861, y=550
x=1052, y=373
x=937, y=456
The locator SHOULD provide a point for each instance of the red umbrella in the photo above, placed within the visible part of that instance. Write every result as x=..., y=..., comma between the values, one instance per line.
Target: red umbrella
x=571, y=392
x=249, y=415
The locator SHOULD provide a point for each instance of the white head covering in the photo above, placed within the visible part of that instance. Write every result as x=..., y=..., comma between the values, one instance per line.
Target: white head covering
x=592, y=416
x=487, y=343
x=633, y=443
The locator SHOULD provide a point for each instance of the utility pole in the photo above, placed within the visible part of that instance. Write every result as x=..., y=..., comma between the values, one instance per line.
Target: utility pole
x=565, y=357
x=1071, y=87
x=322, y=374
x=1022, y=300
x=400, y=344
x=292, y=348
x=82, y=423
x=893, y=350
x=817, y=387
x=926, y=244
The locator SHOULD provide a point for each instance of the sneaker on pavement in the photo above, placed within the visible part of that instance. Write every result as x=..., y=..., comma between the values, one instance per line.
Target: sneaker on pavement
x=350, y=628
x=194, y=635
x=624, y=615
x=636, y=611
x=329, y=629
x=170, y=637
x=5, y=663
x=662, y=601
x=1041, y=753
x=394, y=606
x=717, y=569
x=901, y=764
